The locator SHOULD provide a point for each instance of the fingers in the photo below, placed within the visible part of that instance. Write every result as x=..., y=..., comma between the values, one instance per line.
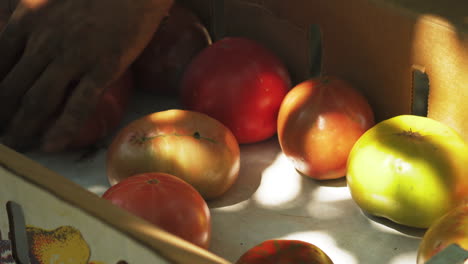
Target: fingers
x=5, y=12
x=12, y=4
x=38, y=105
x=18, y=81
x=13, y=35
x=77, y=110
x=12, y=42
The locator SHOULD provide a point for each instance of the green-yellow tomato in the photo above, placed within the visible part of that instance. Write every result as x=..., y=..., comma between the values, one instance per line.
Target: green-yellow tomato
x=409, y=169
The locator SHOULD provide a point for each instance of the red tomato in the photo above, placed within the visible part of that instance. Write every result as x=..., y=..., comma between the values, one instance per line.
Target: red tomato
x=318, y=123
x=240, y=83
x=108, y=114
x=278, y=251
x=178, y=39
x=187, y=144
x=166, y=201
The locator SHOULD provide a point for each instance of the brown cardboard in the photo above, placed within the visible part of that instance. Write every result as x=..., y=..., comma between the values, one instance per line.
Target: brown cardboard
x=51, y=202
x=375, y=44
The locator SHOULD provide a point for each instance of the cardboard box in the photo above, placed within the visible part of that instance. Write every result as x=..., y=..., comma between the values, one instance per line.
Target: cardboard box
x=375, y=44
x=64, y=223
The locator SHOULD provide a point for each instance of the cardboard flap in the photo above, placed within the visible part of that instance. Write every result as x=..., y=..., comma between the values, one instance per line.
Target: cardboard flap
x=454, y=12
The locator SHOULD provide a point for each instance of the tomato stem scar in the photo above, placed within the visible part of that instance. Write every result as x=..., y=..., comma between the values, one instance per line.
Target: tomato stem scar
x=410, y=133
x=198, y=136
x=141, y=138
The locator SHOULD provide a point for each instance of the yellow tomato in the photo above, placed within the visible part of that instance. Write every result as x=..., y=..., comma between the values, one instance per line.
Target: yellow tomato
x=187, y=144
x=409, y=169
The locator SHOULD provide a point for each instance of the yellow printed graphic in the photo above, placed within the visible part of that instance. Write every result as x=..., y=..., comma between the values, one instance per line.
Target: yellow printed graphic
x=63, y=245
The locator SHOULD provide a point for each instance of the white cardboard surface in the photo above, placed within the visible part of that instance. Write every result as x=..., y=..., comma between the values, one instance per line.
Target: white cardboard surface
x=269, y=200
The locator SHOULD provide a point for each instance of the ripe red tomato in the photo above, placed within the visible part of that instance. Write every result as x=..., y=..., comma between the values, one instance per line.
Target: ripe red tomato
x=240, y=83
x=186, y=144
x=178, y=39
x=278, y=251
x=166, y=201
x=109, y=112
x=319, y=121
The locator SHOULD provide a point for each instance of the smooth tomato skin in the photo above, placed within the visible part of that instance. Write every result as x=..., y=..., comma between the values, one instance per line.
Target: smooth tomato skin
x=240, y=83
x=279, y=251
x=187, y=144
x=178, y=39
x=409, y=169
x=167, y=202
x=108, y=114
x=319, y=121
x=450, y=228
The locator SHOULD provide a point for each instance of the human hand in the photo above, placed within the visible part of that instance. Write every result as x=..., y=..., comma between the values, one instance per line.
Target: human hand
x=5, y=11
x=48, y=45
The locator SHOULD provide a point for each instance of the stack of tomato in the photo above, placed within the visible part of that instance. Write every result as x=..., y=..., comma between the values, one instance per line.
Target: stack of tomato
x=165, y=166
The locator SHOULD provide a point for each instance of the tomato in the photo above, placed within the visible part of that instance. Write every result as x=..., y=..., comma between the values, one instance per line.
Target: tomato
x=450, y=228
x=409, y=169
x=279, y=251
x=167, y=202
x=319, y=121
x=178, y=39
x=240, y=83
x=109, y=113
x=187, y=144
